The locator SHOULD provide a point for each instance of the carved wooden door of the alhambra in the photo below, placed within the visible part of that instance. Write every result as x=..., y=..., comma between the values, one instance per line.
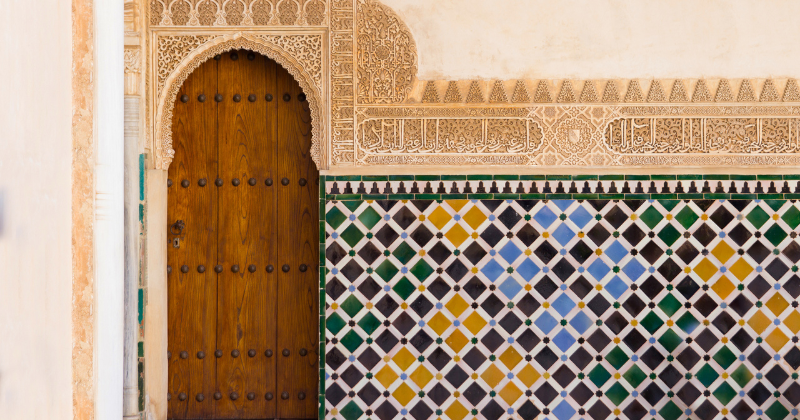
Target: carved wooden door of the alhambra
x=243, y=256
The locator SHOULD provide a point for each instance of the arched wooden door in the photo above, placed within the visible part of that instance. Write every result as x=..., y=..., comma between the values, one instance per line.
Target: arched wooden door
x=243, y=256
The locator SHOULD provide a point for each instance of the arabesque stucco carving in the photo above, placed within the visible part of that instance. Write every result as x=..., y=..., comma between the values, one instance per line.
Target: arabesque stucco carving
x=370, y=109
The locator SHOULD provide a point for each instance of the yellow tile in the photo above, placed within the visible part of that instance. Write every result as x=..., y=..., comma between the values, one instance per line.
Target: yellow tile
x=759, y=322
x=492, y=375
x=404, y=358
x=403, y=394
x=439, y=323
x=777, y=339
x=456, y=411
x=440, y=217
x=528, y=375
x=474, y=217
x=510, y=358
x=510, y=393
x=793, y=322
x=474, y=323
x=777, y=304
x=723, y=252
x=457, y=305
x=457, y=205
x=723, y=287
x=386, y=376
x=457, y=341
x=456, y=235
x=741, y=269
x=705, y=269
x=421, y=376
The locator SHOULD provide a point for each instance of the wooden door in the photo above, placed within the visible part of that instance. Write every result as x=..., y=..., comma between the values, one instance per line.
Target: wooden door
x=243, y=257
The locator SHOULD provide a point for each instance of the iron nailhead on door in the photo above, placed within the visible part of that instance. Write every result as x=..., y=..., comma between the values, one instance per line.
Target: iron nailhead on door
x=251, y=56
x=185, y=183
x=285, y=181
x=268, y=97
x=236, y=182
x=234, y=56
x=251, y=396
x=287, y=97
x=184, y=268
x=235, y=353
x=201, y=97
x=301, y=97
x=251, y=353
x=251, y=268
x=268, y=353
x=218, y=268
x=234, y=396
x=270, y=268
x=169, y=269
x=184, y=98
x=301, y=395
x=169, y=396
x=169, y=355
x=218, y=182
x=237, y=98
x=202, y=182
x=285, y=268
x=201, y=354
x=218, y=353
x=269, y=396
x=268, y=182
x=169, y=183
x=218, y=97
x=201, y=269
x=217, y=57
x=200, y=397
x=182, y=396
x=184, y=354
x=285, y=352
x=252, y=182
x=235, y=268
x=217, y=395
x=303, y=352
x=284, y=395
x=302, y=182
x=303, y=268
x=252, y=97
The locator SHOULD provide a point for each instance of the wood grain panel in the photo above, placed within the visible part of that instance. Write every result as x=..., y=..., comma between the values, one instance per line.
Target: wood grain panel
x=298, y=210
x=192, y=295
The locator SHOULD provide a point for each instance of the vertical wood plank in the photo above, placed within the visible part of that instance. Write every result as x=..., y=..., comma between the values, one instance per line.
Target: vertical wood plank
x=192, y=295
x=298, y=210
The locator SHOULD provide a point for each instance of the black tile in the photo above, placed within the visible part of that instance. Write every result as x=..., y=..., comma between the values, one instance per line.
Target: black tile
x=351, y=376
x=633, y=234
x=545, y=252
x=491, y=205
x=741, y=304
x=351, y=271
x=492, y=340
x=456, y=270
x=545, y=357
x=721, y=217
x=634, y=305
x=492, y=305
x=439, y=253
x=739, y=234
x=634, y=340
x=509, y=217
x=581, y=252
x=687, y=252
x=724, y=322
x=758, y=252
x=777, y=269
x=386, y=341
x=474, y=394
x=386, y=235
x=422, y=205
x=368, y=394
x=545, y=287
x=404, y=217
x=792, y=393
x=439, y=394
x=421, y=235
x=670, y=376
x=492, y=410
x=598, y=304
x=369, y=358
x=776, y=376
x=792, y=251
x=404, y=323
x=759, y=357
x=758, y=286
x=474, y=253
x=564, y=376
x=652, y=358
x=439, y=358
x=474, y=288
x=759, y=393
x=528, y=411
x=335, y=288
x=651, y=252
x=421, y=341
x=335, y=253
x=335, y=358
x=651, y=287
x=598, y=234
x=510, y=323
x=706, y=411
x=599, y=411
x=688, y=358
x=581, y=287
x=793, y=286
x=369, y=288
x=474, y=358
x=369, y=253
x=491, y=235
x=456, y=376
x=581, y=358
x=439, y=288
x=688, y=394
x=421, y=411
x=546, y=393
x=581, y=393
x=741, y=411
x=421, y=305
x=616, y=322
x=528, y=340
x=653, y=394
x=598, y=340
x=528, y=304
x=704, y=234
x=669, y=269
x=527, y=234
x=706, y=339
x=386, y=411
x=616, y=217
x=563, y=269
x=335, y=394
x=741, y=340
x=687, y=287
x=705, y=304
x=792, y=357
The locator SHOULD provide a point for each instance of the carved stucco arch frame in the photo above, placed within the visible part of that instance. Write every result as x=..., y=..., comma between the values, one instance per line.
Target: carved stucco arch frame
x=163, y=152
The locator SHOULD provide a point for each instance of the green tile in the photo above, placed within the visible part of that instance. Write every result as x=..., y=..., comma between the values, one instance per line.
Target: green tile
x=771, y=196
x=777, y=411
x=743, y=177
x=635, y=376
x=375, y=197
x=401, y=177
x=599, y=376
x=584, y=177
x=369, y=217
x=427, y=177
x=351, y=306
x=689, y=177
x=479, y=177
x=741, y=375
x=637, y=177
x=404, y=253
x=506, y=196
x=347, y=197
x=402, y=196
x=663, y=177
x=651, y=217
x=670, y=411
x=757, y=217
x=454, y=177
x=686, y=217
x=617, y=357
x=386, y=270
x=617, y=393
x=559, y=196
x=724, y=357
x=480, y=196
x=421, y=270
x=715, y=196
x=770, y=177
x=791, y=196
x=532, y=196
x=352, y=235
x=506, y=177
x=743, y=197
x=791, y=216
x=775, y=205
x=706, y=375
x=725, y=393
x=651, y=322
x=612, y=177
x=775, y=234
x=532, y=177
x=352, y=205
x=559, y=177
x=351, y=411
x=670, y=340
x=404, y=288
x=374, y=178
x=348, y=178
x=351, y=341
x=669, y=205
x=369, y=323
x=793, y=177
x=665, y=196
x=586, y=196
x=637, y=196
x=669, y=304
x=335, y=323
x=335, y=217
x=697, y=196
x=454, y=196
x=716, y=177
x=611, y=196
x=427, y=196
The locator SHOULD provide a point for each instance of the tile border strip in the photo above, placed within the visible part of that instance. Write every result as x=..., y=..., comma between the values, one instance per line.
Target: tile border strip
x=553, y=187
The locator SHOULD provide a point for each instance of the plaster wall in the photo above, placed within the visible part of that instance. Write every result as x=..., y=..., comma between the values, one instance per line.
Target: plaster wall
x=597, y=39
x=35, y=210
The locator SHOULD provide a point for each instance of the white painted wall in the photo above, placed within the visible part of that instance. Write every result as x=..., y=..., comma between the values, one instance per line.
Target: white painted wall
x=35, y=210
x=596, y=39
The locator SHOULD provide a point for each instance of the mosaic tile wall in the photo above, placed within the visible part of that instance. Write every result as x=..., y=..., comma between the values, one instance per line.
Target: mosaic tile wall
x=563, y=308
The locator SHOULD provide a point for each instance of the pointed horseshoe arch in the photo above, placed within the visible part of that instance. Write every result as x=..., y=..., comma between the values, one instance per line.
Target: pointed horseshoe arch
x=294, y=52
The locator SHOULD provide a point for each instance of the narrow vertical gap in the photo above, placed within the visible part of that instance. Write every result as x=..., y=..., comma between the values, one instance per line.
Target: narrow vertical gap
x=216, y=233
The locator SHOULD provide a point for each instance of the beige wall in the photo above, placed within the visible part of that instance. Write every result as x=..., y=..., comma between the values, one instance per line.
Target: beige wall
x=35, y=210
x=596, y=39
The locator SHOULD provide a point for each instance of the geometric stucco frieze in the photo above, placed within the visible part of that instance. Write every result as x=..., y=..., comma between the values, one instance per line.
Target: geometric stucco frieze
x=374, y=110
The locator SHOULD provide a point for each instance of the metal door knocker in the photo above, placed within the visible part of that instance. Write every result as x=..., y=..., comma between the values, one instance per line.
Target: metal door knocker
x=176, y=230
